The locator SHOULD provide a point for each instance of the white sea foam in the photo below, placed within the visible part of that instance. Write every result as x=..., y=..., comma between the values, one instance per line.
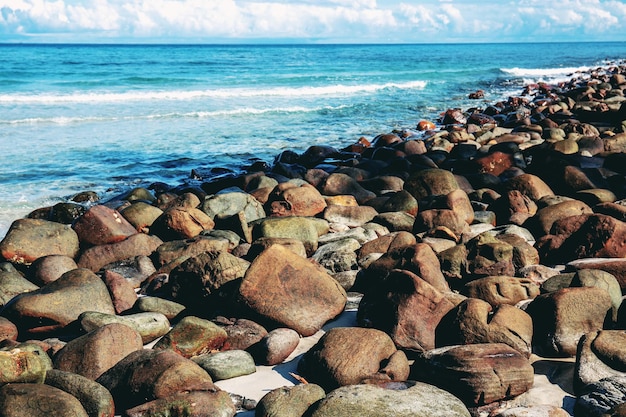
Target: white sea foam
x=174, y=115
x=182, y=95
x=533, y=75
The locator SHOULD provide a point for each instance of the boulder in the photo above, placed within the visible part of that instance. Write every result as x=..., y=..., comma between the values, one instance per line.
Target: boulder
x=303, y=229
x=149, y=325
x=601, y=398
x=241, y=333
x=38, y=400
x=500, y=289
x=430, y=182
x=559, y=321
x=407, y=308
x=141, y=215
x=410, y=399
x=341, y=184
x=23, y=365
x=94, y=353
x=289, y=401
x=193, y=336
x=350, y=216
x=181, y=223
x=8, y=330
x=96, y=399
x=600, y=354
x=291, y=199
x=30, y=239
x=214, y=403
x=138, y=244
x=49, y=268
x=121, y=290
x=276, y=346
x=146, y=375
x=475, y=321
x=101, y=225
x=350, y=355
x=478, y=374
x=289, y=290
x=12, y=283
x=227, y=364
x=59, y=303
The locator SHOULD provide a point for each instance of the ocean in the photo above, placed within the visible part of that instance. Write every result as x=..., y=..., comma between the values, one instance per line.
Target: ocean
x=108, y=118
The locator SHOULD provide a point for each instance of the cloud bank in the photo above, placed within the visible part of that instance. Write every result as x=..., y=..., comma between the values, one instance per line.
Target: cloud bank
x=311, y=20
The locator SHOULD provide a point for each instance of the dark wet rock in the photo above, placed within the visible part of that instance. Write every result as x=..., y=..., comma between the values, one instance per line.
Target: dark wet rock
x=600, y=398
x=241, y=333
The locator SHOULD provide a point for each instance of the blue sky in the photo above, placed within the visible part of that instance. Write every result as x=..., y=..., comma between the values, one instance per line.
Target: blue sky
x=315, y=21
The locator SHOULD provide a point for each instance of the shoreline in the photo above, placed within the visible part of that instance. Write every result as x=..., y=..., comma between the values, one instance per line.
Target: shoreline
x=486, y=209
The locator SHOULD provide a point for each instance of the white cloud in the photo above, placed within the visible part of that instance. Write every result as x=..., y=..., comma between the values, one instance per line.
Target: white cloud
x=337, y=20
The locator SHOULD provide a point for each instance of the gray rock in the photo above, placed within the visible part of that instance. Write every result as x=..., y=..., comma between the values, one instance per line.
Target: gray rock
x=97, y=400
x=411, y=399
x=289, y=401
x=227, y=364
x=170, y=309
x=38, y=400
x=12, y=283
x=599, y=398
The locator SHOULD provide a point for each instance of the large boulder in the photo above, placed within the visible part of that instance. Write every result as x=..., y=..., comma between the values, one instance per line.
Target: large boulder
x=59, y=303
x=351, y=355
x=138, y=244
x=410, y=399
x=289, y=290
x=38, y=400
x=30, y=239
x=101, y=225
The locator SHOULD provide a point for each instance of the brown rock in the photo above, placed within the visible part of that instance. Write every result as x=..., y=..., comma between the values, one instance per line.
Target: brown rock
x=400, y=201
x=430, y=182
x=8, y=330
x=600, y=355
x=96, y=257
x=38, y=400
x=475, y=321
x=428, y=220
x=559, y=321
x=59, y=303
x=498, y=290
x=285, y=288
x=12, y=283
x=388, y=243
x=94, y=353
x=350, y=216
x=276, y=346
x=146, y=374
x=183, y=249
x=459, y=202
x=426, y=265
x=49, y=268
x=290, y=199
x=181, y=223
x=478, y=374
x=349, y=355
x=30, y=239
x=101, y=225
x=193, y=336
x=340, y=184
x=495, y=163
x=122, y=292
x=546, y=217
x=407, y=308
x=529, y=185
x=141, y=215
x=190, y=404
x=242, y=333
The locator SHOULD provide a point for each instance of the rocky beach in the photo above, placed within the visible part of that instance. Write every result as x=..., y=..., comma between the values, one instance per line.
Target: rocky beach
x=473, y=265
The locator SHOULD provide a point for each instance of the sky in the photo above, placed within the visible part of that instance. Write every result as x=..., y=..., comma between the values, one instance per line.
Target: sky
x=311, y=21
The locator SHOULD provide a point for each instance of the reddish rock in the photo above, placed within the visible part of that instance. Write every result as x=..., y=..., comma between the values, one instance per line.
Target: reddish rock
x=350, y=216
x=285, y=288
x=121, y=290
x=181, y=223
x=546, y=217
x=407, y=308
x=242, y=333
x=96, y=352
x=529, y=185
x=340, y=184
x=498, y=290
x=8, y=330
x=183, y=249
x=101, y=225
x=96, y=257
x=49, y=268
x=495, y=163
x=428, y=220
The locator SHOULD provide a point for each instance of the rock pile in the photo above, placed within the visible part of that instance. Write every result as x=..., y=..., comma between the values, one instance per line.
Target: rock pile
x=476, y=245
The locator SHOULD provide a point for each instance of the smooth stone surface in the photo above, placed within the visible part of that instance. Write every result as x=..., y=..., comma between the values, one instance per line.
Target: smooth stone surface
x=95, y=399
x=227, y=364
x=413, y=399
x=289, y=401
x=193, y=336
x=150, y=326
x=38, y=400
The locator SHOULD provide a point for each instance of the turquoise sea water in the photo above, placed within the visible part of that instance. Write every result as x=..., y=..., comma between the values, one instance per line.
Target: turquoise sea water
x=111, y=117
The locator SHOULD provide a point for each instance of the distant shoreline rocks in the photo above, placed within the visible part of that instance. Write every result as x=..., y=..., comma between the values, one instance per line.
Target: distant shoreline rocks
x=471, y=248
